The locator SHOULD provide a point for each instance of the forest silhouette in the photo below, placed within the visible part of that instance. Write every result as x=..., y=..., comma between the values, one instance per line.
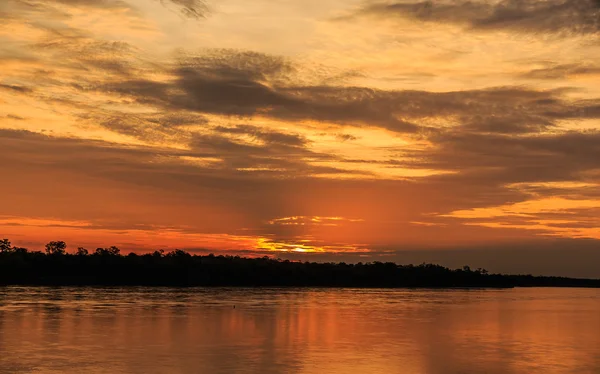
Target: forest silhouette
x=108, y=267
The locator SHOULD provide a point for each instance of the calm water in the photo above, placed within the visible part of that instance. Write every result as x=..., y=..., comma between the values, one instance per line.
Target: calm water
x=141, y=330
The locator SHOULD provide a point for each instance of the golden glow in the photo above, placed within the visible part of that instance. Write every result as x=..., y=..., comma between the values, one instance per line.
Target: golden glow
x=526, y=208
x=535, y=215
x=41, y=222
x=315, y=220
x=558, y=185
x=281, y=246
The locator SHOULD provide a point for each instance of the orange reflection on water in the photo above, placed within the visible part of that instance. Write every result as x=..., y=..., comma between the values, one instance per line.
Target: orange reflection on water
x=141, y=330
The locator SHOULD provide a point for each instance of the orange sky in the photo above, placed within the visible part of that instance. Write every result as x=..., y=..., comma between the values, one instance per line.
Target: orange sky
x=360, y=128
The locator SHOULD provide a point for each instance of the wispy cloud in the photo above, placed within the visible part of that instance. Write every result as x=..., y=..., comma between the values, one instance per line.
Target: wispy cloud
x=566, y=17
x=563, y=71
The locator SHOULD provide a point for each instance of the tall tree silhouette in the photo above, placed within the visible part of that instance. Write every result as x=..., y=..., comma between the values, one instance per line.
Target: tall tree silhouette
x=5, y=245
x=81, y=251
x=110, y=251
x=56, y=248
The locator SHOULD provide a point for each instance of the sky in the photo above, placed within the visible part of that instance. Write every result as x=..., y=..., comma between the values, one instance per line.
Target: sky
x=454, y=131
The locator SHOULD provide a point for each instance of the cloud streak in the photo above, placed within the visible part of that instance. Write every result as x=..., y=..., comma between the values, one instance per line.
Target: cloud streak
x=563, y=71
x=568, y=17
x=249, y=84
x=195, y=9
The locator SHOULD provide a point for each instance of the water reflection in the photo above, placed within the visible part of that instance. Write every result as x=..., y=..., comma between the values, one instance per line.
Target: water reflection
x=142, y=330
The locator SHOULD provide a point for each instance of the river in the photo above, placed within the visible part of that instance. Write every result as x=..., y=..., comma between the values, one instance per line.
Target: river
x=220, y=330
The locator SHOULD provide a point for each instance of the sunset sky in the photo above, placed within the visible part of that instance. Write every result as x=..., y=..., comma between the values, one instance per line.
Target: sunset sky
x=459, y=132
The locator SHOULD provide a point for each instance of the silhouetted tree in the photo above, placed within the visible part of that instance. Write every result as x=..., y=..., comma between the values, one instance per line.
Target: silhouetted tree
x=179, y=268
x=81, y=251
x=114, y=251
x=179, y=254
x=110, y=251
x=56, y=248
x=5, y=245
x=20, y=250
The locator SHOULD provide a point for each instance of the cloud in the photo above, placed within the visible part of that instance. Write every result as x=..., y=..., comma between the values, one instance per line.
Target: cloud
x=246, y=84
x=229, y=161
x=269, y=137
x=246, y=90
x=569, y=17
x=196, y=9
x=563, y=71
x=553, y=216
x=15, y=88
x=546, y=183
x=14, y=117
x=148, y=127
x=87, y=54
x=57, y=9
x=345, y=137
x=496, y=159
x=312, y=221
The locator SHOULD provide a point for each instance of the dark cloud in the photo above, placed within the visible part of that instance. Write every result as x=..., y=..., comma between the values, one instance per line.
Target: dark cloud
x=196, y=9
x=281, y=155
x=562, y=71
x=229, y=64
x=227, y=158
x=147, y=127
x=22, y=9
x=495, y=159
x=275, y=154
x=93, y=3
x=15, y=117
x=585, y=188
x=83, y=52
x=500, y=110
x=346, y=137
x=268, y=136
x=532, y=16
x=15, y=88
x=247, y=84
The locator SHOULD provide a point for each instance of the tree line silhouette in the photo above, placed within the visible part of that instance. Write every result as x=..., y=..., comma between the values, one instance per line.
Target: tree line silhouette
x=108, y=267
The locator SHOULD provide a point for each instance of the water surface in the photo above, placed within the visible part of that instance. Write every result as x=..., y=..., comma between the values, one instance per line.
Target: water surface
x=198, y=330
